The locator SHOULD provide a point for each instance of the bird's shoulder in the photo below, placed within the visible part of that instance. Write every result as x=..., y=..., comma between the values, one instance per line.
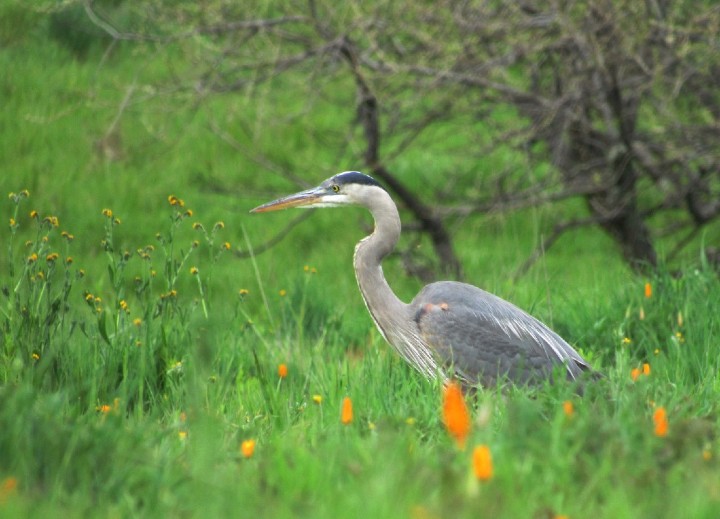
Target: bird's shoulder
x=461, y=298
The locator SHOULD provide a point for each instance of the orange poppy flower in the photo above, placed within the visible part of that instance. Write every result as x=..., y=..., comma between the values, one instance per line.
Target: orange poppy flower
x=456, y=416
x=247, y=448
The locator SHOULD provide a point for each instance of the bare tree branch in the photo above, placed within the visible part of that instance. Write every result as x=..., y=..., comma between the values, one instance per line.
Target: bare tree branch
x=217, y=29
x=368, y=115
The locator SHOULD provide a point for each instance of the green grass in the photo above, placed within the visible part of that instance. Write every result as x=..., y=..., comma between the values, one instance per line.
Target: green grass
x=108, y=412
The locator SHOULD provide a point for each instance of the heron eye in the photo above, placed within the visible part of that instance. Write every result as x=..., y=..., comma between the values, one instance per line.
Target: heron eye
x=335, y=188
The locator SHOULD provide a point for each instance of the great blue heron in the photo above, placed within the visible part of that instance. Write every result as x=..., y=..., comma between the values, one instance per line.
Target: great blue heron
x=450, y=329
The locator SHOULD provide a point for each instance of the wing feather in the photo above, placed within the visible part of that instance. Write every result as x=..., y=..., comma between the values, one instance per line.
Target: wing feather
x=485, y=337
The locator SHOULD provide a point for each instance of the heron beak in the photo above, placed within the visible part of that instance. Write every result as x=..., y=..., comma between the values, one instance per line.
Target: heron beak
x=301, y=199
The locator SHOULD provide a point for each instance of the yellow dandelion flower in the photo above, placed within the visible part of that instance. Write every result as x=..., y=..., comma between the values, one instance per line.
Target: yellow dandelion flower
x=661, y=422
x=482, y=463
x=105, y=408
x=50, y=258
x=189, y=213
x=219, y=225
x=34, y=214
x=456, y=416
x=226, y=245
x=193, y=270
x=247, y=448
x=317, y=399
x=627, y=340
x=306, y=268
x=35, y=356
x=707, y=454
x=13, y=223
x=69, y=260
x=197, y=226
x=107, y=213
x=346, y=412
x=282, y=292
x=182, y=435
x=243, y=292
x=32, y=258
x=137, y=321
x=410, y=420
x=175, y=201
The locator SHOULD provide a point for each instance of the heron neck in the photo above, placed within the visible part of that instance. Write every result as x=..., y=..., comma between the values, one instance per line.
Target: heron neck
x=382, y=303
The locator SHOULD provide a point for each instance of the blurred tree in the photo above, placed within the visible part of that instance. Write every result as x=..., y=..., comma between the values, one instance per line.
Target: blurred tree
x=614, y=101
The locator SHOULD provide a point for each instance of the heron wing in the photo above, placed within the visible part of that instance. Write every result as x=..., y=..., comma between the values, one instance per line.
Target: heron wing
x=484, y=337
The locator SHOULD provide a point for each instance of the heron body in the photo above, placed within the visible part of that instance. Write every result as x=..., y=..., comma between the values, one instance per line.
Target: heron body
x=450, y=329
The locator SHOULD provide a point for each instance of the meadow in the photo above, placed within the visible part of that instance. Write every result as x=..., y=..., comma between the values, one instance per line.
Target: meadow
x=147, y=370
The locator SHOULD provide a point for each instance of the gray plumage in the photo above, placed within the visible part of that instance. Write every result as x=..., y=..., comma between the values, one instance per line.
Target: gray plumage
x=450, y=329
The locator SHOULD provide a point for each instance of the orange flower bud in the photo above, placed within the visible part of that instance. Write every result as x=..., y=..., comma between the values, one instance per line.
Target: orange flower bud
x=346, y=414
x=482, y=463
x=661, y=422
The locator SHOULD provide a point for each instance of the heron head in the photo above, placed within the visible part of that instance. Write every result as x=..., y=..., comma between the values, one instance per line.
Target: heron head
x=348, y=188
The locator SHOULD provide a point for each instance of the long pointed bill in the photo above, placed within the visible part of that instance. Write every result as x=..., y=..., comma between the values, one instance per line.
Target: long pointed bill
x=304, y=198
